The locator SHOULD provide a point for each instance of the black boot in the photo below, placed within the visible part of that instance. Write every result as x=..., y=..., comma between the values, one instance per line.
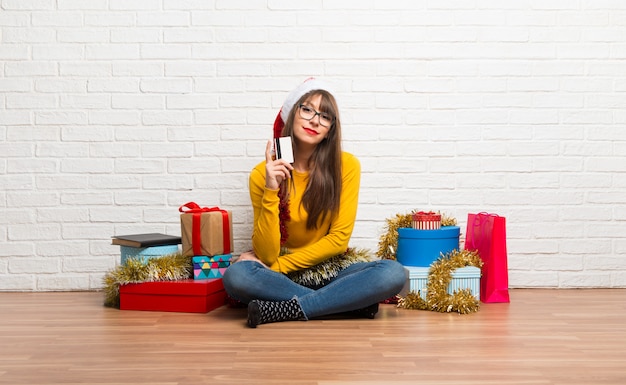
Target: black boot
x=366, y=312
x=262, y=312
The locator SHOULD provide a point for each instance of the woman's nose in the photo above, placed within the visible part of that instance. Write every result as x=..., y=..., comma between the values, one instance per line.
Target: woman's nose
x=313, y=119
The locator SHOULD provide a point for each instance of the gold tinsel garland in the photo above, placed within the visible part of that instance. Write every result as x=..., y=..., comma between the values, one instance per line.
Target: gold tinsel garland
x=166, y=268
x=439, y=277
x=389, y=241
x=439, y=274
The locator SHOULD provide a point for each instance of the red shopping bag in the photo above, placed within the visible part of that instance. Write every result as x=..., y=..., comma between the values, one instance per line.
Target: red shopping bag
x=486, y=233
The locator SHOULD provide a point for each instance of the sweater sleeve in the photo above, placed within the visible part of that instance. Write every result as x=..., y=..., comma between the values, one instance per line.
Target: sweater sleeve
x=266, y=227
x=337, y=239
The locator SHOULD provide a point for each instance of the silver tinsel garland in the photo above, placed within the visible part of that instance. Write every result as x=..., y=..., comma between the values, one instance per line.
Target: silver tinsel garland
x=321, y=273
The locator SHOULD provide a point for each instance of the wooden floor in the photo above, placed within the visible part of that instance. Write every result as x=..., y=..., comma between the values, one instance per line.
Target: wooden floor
x=541, y=337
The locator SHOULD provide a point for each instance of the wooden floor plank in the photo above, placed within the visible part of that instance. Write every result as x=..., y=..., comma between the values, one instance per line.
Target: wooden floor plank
x=552, y=337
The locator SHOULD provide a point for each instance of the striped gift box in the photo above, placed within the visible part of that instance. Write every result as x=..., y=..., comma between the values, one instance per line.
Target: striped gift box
x=426, y=221
x=467, y=277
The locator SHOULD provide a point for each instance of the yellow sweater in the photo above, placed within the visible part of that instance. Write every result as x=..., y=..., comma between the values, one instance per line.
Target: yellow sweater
x=308, y=247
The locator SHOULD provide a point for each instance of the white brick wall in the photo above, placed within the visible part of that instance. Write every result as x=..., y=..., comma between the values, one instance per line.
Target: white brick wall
x=115, y=112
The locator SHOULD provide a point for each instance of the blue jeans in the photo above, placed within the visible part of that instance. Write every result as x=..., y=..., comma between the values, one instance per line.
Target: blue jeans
x=357, y=286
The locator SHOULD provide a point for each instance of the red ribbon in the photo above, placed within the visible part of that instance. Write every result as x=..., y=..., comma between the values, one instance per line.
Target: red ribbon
x=196, y=237
x=423, y=215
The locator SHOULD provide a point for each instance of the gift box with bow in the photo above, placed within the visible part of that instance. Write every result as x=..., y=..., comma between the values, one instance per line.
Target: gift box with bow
x=205, y=231
x=426, y=221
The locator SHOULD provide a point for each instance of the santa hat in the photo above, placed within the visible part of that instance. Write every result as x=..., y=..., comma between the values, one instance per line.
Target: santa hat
x=309, y=85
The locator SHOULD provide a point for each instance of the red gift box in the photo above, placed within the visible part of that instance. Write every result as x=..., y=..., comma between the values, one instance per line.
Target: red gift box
x=426, y=221
x=186, y=296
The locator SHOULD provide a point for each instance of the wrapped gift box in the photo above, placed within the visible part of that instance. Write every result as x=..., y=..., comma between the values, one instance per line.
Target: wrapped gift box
x=146, y=253
x=205, y=267
x=206, y=232
x=186, y=296
x=426, y=221
x=423, y=247
x=463, y=278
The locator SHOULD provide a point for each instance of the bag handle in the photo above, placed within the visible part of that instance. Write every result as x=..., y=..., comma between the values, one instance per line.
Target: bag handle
x=481, y=221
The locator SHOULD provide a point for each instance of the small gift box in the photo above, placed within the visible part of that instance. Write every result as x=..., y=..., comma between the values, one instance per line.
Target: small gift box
x=426, y=221
x=205, y=267
x=187, y=296
x=205, y=231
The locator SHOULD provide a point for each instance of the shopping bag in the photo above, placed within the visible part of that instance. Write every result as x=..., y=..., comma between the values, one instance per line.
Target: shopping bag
x=486, y=234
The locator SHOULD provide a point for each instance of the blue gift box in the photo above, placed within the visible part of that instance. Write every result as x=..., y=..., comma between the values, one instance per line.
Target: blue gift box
x=210, y=267
x=467, y=277
x=423, y=247
x=146, y=253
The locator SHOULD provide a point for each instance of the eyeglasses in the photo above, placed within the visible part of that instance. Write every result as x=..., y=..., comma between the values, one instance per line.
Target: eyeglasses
x=308, y=113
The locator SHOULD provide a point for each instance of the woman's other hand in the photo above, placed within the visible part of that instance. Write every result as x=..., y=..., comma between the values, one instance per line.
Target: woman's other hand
x=250, y=256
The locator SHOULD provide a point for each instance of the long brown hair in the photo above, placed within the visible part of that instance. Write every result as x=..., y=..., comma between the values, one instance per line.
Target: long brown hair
x=323, y=191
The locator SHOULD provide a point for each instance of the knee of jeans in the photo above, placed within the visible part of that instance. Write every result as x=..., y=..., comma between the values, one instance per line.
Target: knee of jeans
x=395, y=273
x=232, y=277
x=237, y=280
